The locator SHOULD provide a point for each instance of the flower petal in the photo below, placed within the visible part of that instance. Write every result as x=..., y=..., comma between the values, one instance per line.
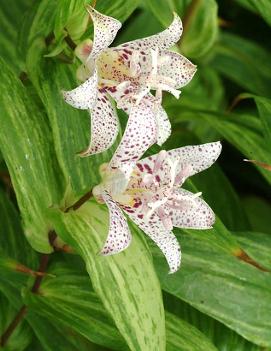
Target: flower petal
x=176, y=67
x=139, y=135
x=84, y=96
x=119, y=236
x=198, y=157
x=163, y=238
x=163, y=125
x=189, y=160
x=163, y=40
x=105, y=30
x=194, y=213
x=104, y=126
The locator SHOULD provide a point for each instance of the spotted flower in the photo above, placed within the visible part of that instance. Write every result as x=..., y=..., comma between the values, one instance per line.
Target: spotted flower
x=128, y=73
x=153, y=198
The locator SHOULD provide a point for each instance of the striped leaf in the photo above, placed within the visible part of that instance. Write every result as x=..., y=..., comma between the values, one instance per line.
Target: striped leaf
x=26, y=146
x=126, y=283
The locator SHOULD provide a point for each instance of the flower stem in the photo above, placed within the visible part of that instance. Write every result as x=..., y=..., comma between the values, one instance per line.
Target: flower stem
x=10, y=329
x=80, y=202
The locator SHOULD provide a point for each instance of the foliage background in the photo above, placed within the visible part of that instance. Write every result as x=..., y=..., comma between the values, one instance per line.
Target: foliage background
x=221, y=297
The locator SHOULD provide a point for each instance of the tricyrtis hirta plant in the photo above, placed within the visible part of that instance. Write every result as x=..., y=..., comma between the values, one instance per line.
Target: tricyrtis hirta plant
x=152, y=197
x=128, y=73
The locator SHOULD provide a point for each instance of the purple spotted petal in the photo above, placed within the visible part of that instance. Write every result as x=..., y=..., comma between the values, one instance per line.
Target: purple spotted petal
x=194, y=213
x=104, y=126
x=84, y=96
x=163, y=40
x=163, y=238
x=163, y=125
x=198, y=157
x=177, y=67
x=139, y=135
x=105, y=30
x=189, y=160
x=119, y=236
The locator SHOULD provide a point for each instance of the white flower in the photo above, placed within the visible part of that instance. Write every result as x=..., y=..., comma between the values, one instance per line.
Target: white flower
x=152, y=197
x=128, y=73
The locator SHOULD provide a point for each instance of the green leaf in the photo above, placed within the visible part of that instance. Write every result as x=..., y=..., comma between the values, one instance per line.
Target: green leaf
x=182, y=336
x=258, y=212
x=119, y=280
x=12, y=239
x=257, y=245
x=82, y=311
x=163, y=10
x=261, y=7
x=22, y=335
x=200, y=28
x=11, y=17
x=25, y=143
x=238, y=59
x=222, y=287
x=223, y=338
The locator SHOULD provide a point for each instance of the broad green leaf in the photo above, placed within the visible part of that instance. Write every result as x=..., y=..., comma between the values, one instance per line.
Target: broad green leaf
x=11, y=13
x=163, y=10
x=12, y=239
x=258, y=212
x=222, y=287
x=53, y=336
x=244, y=62
x=200, y=28
x=182, y=336
x=22, y=335
x=257, y=245
x=25, y=143
x=119, y=280
x=82, y=311
x=261, y=7
x=264, y=108
x=222, y=337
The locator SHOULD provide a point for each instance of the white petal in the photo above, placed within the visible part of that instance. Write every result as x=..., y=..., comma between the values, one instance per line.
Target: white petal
x=164, y=239
x=105, y=30
x=84, y=96
x=177, y=67
x=198, y=157
x=119, y=236
x=195, y=214
x=192, y=159
x=164, y=126
x=104, y=126
x=139, y=135
x=163, y=40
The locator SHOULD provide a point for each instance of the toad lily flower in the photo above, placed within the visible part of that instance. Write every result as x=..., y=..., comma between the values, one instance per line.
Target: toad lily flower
x=152, y=197
x=128, y=73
